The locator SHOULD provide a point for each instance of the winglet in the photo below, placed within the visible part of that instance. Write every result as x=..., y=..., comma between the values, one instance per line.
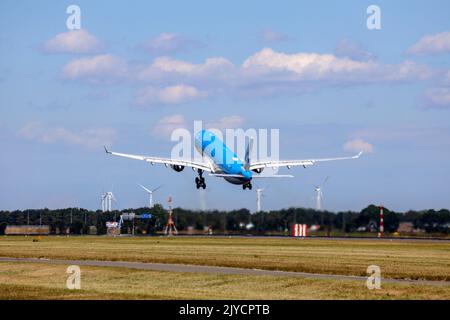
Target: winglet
x=106, y=150
x=358, y=155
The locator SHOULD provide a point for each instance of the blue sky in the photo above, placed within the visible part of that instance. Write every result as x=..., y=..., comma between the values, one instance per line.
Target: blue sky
x=311, y=69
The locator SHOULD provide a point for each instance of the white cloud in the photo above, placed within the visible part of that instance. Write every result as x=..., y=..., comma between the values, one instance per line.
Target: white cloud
x=438, y=97
x=432, y=44
x=167, y=125
x=167, y=64
x=266, y=72
x=224, y=123
x=167, y=69
x=168, y=43
x=88, y=138
x=358, y=145
x=326, y=67
x=176, y=119
x=306, y=65
x=76, y=41
x=100, y=68
x=275, y=70
x=168, y=95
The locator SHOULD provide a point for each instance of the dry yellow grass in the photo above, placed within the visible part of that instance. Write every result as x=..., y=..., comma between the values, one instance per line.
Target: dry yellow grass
x=40, y=281
x=397, y=259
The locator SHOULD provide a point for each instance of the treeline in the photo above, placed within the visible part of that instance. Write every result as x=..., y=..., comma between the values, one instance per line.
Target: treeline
x=82, y=221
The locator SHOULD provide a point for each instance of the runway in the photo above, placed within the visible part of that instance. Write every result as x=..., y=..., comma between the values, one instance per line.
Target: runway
x=247, y=236
x=214, y=270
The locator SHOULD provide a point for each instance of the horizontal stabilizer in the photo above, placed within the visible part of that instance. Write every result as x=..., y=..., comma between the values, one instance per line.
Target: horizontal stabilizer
x=276, y=176
x=224, y=175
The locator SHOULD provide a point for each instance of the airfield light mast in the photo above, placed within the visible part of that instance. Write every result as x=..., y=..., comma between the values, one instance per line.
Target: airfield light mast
x=381, y=233
x=170, y=226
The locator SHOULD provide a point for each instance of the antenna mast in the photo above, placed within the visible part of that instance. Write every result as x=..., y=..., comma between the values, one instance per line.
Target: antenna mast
x=170, y=228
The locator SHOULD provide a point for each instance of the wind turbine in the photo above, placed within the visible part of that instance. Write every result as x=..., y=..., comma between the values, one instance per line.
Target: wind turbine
x=103, y=199
x=150, y=192
x=319, y=194
x=107, y=199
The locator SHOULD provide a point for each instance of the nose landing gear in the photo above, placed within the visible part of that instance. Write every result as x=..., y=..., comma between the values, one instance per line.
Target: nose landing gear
x=200, y=181
x=247, y=185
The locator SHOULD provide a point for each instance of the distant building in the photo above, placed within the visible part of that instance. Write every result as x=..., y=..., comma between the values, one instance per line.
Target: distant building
x=92, y=230
x=361, y=229
x=112, y=228
x=405, y=227
x=27, y=229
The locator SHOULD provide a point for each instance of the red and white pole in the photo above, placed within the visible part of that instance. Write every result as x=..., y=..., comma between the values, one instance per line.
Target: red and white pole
x=380, y=234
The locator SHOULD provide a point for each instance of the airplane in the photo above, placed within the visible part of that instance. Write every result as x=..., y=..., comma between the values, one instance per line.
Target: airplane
x=230, y=167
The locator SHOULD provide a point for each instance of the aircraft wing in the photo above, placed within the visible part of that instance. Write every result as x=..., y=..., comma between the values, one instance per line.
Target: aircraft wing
x=292, y=163
x=165, y=161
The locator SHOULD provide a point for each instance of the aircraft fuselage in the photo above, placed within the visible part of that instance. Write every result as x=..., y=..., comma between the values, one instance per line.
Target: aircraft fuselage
x=224, y=160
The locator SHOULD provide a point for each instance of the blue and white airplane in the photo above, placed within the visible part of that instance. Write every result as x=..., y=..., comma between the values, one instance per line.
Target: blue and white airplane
x=222, y=162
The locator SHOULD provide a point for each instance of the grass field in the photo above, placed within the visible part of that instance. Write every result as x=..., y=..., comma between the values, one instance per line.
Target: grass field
x=38, y=281
x=397, y=259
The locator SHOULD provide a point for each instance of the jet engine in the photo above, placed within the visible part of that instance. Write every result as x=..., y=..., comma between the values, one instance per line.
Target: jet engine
x=177, y=168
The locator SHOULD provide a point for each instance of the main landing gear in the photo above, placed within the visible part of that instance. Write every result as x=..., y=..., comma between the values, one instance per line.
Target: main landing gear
x=200, y=181
x=247, y=185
